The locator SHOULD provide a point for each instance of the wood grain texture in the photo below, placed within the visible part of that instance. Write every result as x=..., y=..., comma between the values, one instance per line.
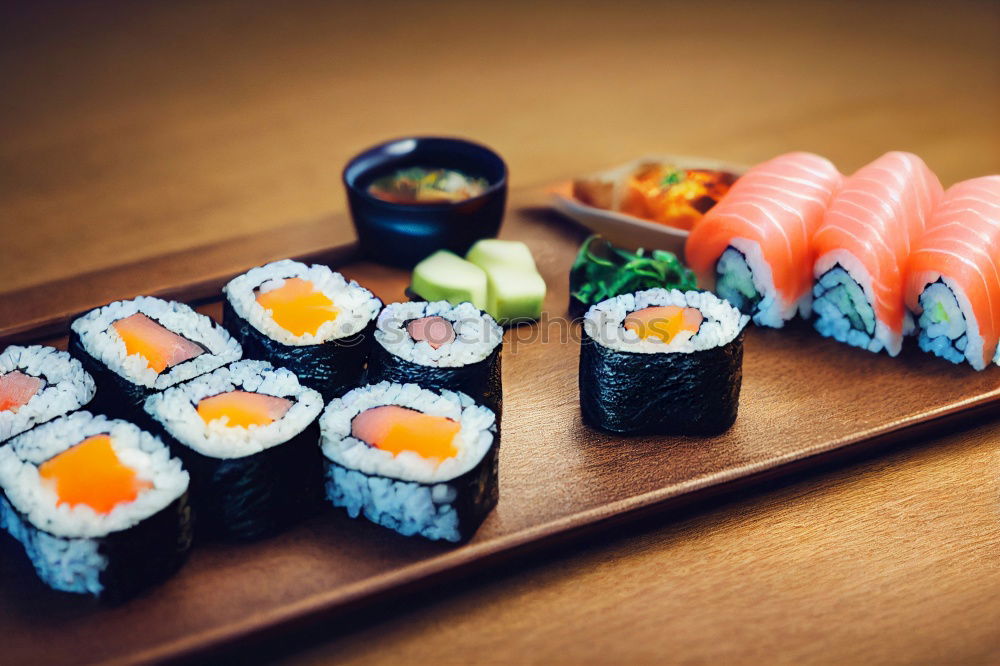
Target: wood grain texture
x=191, y=275
x=893, y=561
x=131, y=130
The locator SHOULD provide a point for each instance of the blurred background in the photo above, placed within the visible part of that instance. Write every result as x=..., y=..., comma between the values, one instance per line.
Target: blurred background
x=132, y=129
x=128, y=130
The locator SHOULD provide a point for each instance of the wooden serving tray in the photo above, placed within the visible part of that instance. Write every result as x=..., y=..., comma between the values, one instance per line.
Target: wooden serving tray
x=805, y=401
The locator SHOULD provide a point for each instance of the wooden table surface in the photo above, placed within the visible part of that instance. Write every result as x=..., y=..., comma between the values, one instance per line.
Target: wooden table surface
x=130, y=130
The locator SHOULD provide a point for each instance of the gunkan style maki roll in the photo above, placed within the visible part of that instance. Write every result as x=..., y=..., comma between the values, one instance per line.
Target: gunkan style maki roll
x=411, y=459
x=662, y=362
x=248, y=435
x=37, y=384
x=308, y=319
x=99, y=505
x=134, y=348
x=439, y=346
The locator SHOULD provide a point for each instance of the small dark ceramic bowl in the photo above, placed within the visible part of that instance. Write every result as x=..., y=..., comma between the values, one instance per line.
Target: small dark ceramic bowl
x=403, y=234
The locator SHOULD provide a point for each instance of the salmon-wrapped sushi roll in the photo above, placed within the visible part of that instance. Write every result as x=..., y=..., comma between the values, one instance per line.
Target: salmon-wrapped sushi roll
x=953, y=275
x=862, y=246
x=755, y=245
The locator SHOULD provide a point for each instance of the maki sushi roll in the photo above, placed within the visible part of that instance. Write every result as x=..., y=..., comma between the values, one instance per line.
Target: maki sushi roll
x=862, y=245
x=248, y=435
x=953, y=275
x=134, y=348
x=308, y=319
x=439, y=346
x=99, y=505
x=755, y=245
x=662, y=362
x=416, y=461
x=37, y=384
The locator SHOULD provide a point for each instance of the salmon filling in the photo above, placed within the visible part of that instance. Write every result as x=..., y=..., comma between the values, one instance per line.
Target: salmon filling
x=90, y=473
x=243, y=409
x=17, y=389
x=435, y=331
x=161, y=347
x=663, y=322
x=297, y=306
x=397, y=429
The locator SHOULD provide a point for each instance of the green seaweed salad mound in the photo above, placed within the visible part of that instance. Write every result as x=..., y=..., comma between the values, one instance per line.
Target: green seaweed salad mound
x=602, y=271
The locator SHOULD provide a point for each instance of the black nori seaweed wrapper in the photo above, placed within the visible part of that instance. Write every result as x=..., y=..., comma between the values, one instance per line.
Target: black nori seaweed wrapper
x=481, y=381
x=257, y=495
x=577, y=308
x=143, y=555
x=147, y=553
x=332, y=368
x=477, y=491
x=662, y=393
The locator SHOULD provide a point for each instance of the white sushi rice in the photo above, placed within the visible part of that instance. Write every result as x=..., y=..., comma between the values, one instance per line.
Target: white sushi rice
x=67, y=386
x=744, y=275
x=356, y=306
x=36, y=499
x=100, y=339
x=404, y=506
x=176, y=409
x=721, y=324
x=947, y=325
x=476, y=333
x=473, y=440
x=62, y=541
x=405, y=492
x=70, y=565
x=842, y=295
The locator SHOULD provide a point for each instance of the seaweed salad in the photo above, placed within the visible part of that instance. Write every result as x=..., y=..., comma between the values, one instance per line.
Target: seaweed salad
x=602, y=270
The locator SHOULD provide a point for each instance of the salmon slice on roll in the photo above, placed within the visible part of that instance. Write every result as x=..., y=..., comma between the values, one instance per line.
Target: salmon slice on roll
x=755, y=245
x=953, y=275
x=862, y=246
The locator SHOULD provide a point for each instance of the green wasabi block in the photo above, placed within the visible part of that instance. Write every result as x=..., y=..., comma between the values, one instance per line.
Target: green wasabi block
x=516, y=290
x=445, y=276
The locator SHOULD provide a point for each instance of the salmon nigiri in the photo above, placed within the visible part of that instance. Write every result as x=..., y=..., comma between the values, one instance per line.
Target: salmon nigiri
x=953, y=275
x=862, y=246
x=756, y=243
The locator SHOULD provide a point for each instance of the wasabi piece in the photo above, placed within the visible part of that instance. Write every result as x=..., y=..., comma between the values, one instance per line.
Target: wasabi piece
x=445, y=276
x=515, y=289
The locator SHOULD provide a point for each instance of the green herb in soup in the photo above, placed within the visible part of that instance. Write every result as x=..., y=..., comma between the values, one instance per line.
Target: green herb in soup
x=419, y=185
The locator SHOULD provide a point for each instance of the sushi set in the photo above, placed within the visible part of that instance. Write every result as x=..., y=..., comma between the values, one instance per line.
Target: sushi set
x=304, y=432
